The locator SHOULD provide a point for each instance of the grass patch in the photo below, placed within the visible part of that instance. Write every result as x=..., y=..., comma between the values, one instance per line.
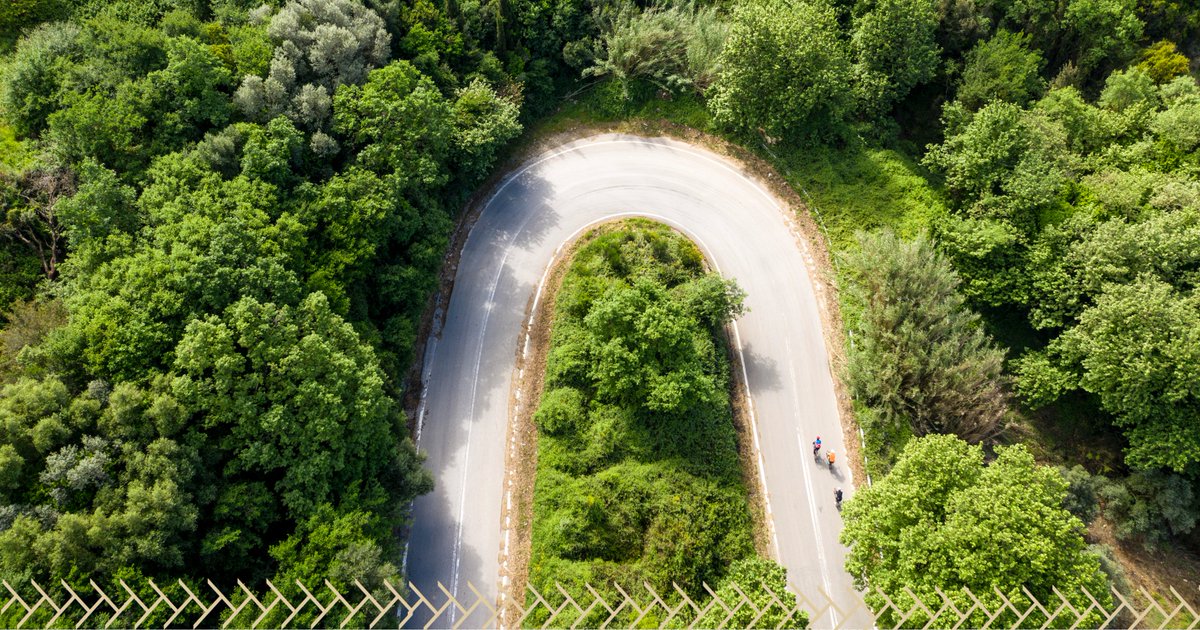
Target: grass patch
x=638, y=478
x=859, y=188
x=605, y=103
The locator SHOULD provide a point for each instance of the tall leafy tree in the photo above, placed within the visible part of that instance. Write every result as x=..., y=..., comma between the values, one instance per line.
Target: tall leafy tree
x=35, y=73
x=941, y=521
x=894, y=49
x=785, y=71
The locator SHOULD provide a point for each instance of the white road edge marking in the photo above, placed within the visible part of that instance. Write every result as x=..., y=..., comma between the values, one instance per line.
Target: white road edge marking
x=808, y=487
x=462, y=501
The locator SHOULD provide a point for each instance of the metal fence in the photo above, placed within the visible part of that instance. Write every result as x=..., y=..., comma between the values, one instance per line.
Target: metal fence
x=144, y=603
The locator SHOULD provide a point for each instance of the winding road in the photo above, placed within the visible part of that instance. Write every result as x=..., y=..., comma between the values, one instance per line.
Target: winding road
x=458, y=536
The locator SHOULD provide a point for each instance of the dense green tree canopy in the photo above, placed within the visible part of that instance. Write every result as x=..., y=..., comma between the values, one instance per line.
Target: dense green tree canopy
x=894, y=50
x=1002, y=68
x=175, y=173
x=1138, y=349
x=942, y=521
x=237, y=236
x=785, y=70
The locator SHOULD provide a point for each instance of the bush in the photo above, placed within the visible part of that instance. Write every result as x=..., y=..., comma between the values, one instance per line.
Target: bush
x=560, y=411
x=1151, y=506
x=1083, y=498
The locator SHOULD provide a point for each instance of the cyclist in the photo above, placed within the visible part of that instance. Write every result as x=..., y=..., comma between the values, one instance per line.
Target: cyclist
x=830, y=457
x=837, y=496
x=816, y=446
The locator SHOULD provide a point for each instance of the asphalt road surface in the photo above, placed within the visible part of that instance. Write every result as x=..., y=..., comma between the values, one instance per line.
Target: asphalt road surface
x=457, y=535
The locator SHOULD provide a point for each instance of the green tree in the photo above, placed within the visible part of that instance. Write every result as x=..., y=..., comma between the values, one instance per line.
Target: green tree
x=484, y=122
x=1006, y=163
x=102, y=207
x=673, y=47
x=188, y=96
x=785, y=71
x=1129, y=89
x=347, y=221
x=1102, y=32
x=941, y=521
x=1088, y=128
x=399, y=123
x=1138, y=351
x=894, y=50
x=646, y=351
x=764, y=582
x=920, y=357
x=1153, y=506
x=34, y=75
x=1073, y=263
x=1002, y=68
x=107, y=128
x=342, y=547
x=297, y=397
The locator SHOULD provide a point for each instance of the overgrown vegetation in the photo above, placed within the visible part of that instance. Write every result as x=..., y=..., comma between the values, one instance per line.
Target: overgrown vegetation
x=638, y=476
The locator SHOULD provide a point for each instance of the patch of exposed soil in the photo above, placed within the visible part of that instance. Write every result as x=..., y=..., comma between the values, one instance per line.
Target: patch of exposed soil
x=1157, y=572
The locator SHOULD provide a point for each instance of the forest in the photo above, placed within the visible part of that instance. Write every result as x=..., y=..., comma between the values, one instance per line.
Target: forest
x=224, y=219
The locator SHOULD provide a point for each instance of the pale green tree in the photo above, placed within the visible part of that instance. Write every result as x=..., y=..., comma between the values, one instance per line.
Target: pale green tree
x=941, y=521
x=319, y=45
